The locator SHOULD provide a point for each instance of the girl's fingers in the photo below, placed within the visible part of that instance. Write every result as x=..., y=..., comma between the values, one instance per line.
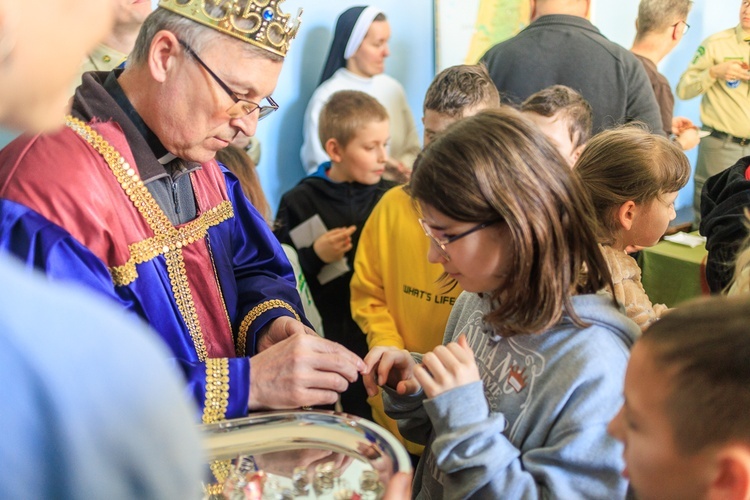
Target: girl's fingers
x=435, y=366
x=424, y=378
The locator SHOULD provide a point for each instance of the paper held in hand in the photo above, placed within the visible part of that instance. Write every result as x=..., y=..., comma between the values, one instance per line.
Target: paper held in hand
x=305, y=234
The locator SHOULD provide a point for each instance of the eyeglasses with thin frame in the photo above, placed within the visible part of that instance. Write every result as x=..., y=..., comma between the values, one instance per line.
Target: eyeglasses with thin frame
x=241, y=107
x=441, y=244
x=684, y=29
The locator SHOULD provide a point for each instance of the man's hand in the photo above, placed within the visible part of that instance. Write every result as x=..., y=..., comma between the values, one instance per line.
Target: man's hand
x=447, y=367
x=392, y=367
x=301, y=370
x=730, y=70
x=334, y=244
x=686, y=132
x=280, y=329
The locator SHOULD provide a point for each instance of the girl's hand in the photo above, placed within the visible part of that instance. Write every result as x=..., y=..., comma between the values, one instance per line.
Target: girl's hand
x=447, y=367
x=392, y=367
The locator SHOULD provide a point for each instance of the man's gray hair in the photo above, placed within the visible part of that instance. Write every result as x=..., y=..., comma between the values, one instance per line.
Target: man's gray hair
x=196, y=35
x=658, y=15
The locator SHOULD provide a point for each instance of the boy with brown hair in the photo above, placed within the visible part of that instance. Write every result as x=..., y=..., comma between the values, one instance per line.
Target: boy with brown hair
x=323, y=215
x=564, y=116
x=685, y=422
x=398, y=298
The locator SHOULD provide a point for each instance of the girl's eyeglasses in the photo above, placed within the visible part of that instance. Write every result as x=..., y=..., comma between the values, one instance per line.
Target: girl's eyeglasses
x=440, y=244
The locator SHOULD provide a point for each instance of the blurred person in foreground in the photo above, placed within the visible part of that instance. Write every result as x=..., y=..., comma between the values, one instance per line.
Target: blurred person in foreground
x=76, y=425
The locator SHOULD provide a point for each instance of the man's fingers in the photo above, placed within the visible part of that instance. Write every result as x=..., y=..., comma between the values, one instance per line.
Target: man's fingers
x=327, y=381
x=339, y=353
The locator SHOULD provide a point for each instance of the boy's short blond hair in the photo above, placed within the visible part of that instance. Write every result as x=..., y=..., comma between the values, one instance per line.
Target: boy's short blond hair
x=461, y=87
x=345, y=112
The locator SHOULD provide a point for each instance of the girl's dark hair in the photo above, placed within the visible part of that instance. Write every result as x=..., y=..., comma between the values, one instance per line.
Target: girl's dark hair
x=497, y=165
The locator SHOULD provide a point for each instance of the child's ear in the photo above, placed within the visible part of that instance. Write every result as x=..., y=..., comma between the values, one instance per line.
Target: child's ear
x=626, y=214
x=732, y=475
x=333, y=150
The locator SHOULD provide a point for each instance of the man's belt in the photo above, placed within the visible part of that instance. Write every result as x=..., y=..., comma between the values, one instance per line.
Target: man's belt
x=742, y=141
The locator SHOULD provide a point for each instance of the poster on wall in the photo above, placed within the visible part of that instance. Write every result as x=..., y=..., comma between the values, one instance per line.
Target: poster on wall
x=465, y=29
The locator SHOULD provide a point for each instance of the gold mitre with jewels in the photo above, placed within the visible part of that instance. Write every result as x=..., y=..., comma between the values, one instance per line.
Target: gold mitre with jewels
x=258, y=22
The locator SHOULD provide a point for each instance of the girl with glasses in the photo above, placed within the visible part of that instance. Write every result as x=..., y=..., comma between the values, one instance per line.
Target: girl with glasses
x=515, y=402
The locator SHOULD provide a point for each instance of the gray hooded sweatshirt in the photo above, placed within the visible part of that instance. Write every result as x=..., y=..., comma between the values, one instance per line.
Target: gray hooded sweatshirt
x=535, y=425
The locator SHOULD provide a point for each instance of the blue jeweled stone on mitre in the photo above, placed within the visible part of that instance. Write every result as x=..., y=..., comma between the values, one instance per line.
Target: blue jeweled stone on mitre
x=268, y=13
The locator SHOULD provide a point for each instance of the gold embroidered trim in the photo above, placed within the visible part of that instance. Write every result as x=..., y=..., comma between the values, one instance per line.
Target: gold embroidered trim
x=216, y=277
x=150, y=248
x=254, y=313
x=167, y=239
x=217, y=390
x=221, y=470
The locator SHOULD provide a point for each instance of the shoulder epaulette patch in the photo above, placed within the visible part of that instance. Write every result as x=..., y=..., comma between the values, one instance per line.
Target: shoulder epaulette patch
x=699, y=53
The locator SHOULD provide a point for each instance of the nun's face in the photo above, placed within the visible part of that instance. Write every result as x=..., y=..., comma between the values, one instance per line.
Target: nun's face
x=369, y=60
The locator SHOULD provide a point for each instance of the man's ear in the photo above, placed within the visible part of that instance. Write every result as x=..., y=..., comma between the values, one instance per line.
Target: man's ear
x=626, y=214
x=333, y=150
x=732, y=477
x=162, y=54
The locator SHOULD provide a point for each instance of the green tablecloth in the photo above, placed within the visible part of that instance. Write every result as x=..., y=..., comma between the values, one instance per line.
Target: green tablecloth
x=672, y=273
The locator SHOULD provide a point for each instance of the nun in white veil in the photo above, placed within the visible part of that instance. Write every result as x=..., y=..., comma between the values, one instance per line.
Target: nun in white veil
x=356, y=61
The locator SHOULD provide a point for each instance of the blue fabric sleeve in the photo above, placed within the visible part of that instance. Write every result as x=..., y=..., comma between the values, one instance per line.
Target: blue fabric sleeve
x=260, y=269
x=48, y=247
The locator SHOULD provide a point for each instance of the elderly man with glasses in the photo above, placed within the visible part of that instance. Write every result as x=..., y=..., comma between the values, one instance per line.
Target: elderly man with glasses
x=660, y=26
x=128, y=200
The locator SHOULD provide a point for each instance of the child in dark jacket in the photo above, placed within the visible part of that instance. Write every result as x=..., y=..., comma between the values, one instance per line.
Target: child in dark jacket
x=323, y=215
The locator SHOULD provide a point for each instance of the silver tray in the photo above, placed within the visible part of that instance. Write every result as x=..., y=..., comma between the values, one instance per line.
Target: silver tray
x=302, y=454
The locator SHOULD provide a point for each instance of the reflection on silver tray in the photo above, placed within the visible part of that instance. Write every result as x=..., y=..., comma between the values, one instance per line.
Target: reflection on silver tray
x=300, y=454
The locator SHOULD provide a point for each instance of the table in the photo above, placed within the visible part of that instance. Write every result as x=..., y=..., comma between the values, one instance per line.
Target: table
x=673, y=273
